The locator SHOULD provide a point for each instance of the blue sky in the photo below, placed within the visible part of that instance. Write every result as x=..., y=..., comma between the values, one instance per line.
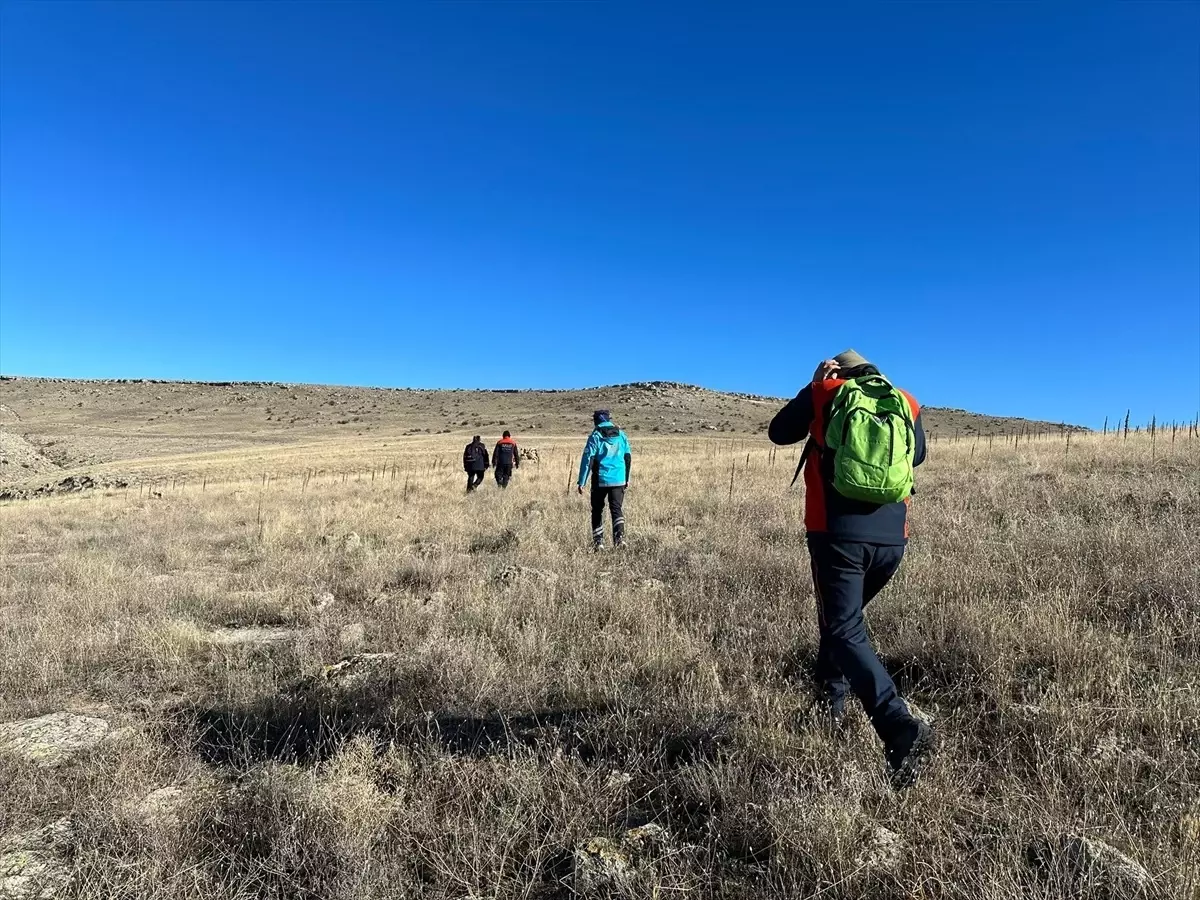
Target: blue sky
x=1000, y=203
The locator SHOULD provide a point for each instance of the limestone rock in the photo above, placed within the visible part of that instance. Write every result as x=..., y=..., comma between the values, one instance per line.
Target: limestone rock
x=160, y=808
x=1096, y=861
x=354, y=670
x=514, y=574
x=1089, y=863
x=52, y=739
x=602, y=863
x=33, y=863
x=251, y=635
x=882, y=849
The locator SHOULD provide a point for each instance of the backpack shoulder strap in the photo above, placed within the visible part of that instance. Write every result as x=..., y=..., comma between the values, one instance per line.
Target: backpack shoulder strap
x=809, y=448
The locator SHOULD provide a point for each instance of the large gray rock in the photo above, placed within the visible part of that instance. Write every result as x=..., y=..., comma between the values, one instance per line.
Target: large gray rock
x=33, y=864
x=52, y=739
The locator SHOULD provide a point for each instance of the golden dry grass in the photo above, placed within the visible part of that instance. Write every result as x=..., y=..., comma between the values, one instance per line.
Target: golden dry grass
x=1047, y=618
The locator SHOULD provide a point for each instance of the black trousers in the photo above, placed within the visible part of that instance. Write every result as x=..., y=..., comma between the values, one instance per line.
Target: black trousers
x=615, y=496
x=847, y=575
x=474, y=479
x=503, y=474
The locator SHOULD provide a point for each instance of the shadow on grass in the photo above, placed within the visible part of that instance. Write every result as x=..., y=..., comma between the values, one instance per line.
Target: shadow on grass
x=310, y=724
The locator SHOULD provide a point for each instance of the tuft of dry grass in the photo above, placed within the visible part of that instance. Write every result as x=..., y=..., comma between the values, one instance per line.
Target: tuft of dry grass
x=532, y=698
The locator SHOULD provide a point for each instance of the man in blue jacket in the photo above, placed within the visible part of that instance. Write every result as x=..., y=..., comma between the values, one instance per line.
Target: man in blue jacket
x=608, y=459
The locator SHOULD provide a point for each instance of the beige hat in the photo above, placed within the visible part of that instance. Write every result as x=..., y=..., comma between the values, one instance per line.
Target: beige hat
x=851, y=359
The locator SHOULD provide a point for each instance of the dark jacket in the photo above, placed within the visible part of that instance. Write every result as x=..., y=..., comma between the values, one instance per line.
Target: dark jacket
x=505, y=454
x=826, y=511
x=475, y=457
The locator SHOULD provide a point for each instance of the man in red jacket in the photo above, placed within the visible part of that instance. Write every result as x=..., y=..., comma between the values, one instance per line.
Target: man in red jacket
x=855, y=547
x=505, y=458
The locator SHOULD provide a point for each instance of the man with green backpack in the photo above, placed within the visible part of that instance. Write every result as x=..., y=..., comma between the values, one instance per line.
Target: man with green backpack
x=864, y=438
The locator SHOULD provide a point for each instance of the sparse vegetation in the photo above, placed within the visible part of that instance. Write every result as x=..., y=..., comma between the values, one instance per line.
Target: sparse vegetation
x=510, y=710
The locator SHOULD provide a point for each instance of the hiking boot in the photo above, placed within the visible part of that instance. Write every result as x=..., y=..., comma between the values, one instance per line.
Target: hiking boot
x=835, y=710
x=598, y=547
x=908, y=754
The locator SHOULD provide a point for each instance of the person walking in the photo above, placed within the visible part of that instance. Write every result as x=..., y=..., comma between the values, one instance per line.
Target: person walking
x=505, y=458
x=608, y=459
x=475, y=463
x=864, y=438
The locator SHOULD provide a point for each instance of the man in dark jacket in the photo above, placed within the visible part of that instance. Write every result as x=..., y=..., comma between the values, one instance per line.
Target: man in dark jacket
x=475, y=463
x=505, y=458
x=855, y=548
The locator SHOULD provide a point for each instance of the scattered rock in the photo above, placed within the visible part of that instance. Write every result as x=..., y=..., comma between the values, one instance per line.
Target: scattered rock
x=70, y=485
x=251, y=635
x=653, y=585
x=602, y=863
x=323, y=601
x=530, y=453
x=534, y=510
x=514, y=573
x=1097, y=861
x=353, y=636
x=645, y=839
x=33, y=864
x=1090, y=863
x=882, y=849
x=160, y=808
x=354, y=670
x=51, y=740
x=617, y=780
x=351, y=542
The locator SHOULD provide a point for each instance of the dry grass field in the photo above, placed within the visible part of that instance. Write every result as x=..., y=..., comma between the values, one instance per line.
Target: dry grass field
x=319, y=669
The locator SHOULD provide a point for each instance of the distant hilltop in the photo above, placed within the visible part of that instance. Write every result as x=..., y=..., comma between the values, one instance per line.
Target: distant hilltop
x=651, y=386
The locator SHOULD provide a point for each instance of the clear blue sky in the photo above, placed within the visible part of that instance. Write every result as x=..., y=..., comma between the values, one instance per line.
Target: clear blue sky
x=999, y=202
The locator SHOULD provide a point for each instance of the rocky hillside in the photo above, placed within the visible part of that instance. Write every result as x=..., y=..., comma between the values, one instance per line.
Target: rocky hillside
x=64, y=423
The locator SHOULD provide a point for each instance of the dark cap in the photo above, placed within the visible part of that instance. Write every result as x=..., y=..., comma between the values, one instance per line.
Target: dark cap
x=601, y=415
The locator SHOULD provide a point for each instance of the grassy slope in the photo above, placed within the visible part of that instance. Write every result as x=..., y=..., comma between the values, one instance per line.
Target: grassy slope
x=1047, y=617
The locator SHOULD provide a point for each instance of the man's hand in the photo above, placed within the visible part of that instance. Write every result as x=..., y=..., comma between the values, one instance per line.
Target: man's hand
x=827, y=369
x=579, y=489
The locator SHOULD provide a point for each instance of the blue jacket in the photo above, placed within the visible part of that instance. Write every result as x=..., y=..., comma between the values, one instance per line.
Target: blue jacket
x=606, y=456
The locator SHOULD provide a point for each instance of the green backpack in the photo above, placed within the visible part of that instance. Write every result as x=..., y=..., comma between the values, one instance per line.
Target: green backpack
x=871, y=435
